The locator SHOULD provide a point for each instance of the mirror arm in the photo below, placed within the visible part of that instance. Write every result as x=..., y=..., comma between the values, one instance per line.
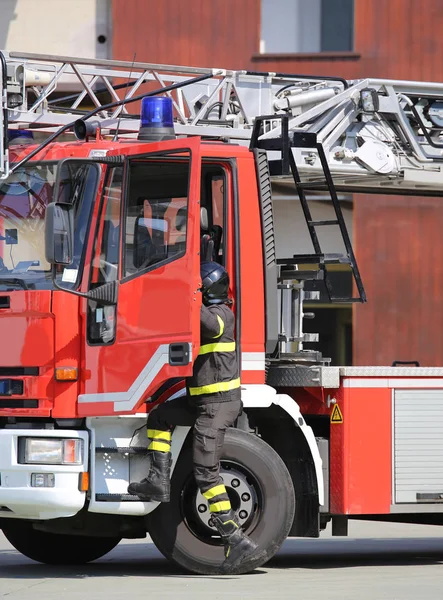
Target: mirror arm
x=105, y=294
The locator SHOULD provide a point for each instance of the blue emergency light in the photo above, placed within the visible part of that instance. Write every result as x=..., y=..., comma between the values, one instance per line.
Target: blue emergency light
x=156, y=119
x=20, y=136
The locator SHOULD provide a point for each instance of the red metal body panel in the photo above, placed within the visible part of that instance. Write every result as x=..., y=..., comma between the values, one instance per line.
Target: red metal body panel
x=27, y=334
x=65, y=308
x=361, y=452
x=312, y=401
x=154, y=309
x=251, y=273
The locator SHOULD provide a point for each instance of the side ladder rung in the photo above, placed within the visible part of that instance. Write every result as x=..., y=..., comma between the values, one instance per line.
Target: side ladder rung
x=345, y=300
x=312, y=185
x=337, y=259
x=320, y=223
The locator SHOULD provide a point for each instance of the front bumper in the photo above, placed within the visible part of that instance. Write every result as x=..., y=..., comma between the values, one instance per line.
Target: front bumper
x=19, y=500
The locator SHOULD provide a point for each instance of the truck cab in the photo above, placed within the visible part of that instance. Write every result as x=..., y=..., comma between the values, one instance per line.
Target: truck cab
x=101, y=244
x=142, y=217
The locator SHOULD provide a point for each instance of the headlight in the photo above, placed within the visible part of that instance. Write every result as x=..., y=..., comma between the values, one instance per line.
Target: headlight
x=51, y=451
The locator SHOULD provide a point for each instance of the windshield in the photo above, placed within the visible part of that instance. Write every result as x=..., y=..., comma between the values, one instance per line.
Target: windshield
x=23, y=200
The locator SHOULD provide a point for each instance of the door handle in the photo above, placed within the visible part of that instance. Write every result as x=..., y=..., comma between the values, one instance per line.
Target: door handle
x=179, y=354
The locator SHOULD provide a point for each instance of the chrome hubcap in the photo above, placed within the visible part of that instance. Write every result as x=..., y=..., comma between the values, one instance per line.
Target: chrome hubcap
x=241, y=494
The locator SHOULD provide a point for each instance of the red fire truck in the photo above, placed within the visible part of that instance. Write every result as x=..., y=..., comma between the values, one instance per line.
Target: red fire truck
x=105, y=215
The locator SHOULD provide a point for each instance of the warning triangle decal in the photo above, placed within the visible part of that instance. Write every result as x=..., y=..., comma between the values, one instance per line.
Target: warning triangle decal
x=336, y=416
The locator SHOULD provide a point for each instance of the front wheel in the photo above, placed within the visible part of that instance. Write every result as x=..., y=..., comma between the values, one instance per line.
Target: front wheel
x=55, y=548
x=260, y=489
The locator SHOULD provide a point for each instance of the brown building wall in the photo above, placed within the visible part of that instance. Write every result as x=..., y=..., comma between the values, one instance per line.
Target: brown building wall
x=398, y=241
x=393, y=38
x=200, y=33
x=399, y=249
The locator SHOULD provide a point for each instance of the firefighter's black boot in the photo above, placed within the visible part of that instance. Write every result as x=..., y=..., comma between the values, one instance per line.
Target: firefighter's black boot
x=238, y=547
x=157, y=485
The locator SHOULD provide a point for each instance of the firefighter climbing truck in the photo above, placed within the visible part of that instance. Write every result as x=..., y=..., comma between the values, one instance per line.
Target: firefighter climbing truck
x=105, y=215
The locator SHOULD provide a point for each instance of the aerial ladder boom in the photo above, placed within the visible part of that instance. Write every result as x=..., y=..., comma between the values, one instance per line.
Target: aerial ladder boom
x=377, y=135
x=326, y=134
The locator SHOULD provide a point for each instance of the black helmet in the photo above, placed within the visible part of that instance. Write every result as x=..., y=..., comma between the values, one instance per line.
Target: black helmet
x=215, y=280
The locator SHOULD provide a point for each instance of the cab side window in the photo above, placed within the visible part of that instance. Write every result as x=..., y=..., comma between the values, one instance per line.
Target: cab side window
x=213, y=213
x=156, y=213
x=218, y=215
x=105, y=259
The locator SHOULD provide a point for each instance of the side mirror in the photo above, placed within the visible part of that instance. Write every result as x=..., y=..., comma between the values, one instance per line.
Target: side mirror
x=76, y=180
x=59, y=233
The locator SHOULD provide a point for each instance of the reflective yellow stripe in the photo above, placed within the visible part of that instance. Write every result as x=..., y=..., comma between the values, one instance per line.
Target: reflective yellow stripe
x=219, y=506
x=160, y=446
x=220, y=347
x=156, y=434
x=213, y=388
x=221, y=325
x=215, y=491
x=233, y=522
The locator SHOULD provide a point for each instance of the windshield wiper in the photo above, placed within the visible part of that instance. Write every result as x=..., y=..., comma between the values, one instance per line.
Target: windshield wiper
x=14, y=281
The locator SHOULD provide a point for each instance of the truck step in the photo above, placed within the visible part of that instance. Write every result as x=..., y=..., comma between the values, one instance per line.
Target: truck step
x=122, y=450
x=301, y=275
x=117, y=498
x=301, y=259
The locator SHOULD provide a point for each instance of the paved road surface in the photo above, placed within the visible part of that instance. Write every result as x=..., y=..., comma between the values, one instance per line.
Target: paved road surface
x=376, y=562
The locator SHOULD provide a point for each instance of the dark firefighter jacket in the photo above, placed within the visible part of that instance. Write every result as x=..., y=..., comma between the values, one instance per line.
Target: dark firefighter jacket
x=215, y=375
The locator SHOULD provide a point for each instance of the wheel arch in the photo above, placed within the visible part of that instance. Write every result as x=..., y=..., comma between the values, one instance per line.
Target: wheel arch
x=293, y=439
x=278, y=420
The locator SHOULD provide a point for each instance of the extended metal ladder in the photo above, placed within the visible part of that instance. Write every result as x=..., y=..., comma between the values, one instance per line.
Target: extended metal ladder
x=327, y=134
x=391, y=146
x=44, y=92
x=287, y=164
x=309, y=140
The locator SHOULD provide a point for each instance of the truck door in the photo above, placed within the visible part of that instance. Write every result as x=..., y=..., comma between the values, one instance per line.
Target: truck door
x=148, y=237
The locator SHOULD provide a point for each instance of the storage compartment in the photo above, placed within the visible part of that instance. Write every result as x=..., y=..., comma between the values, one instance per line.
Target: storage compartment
x=418, y=446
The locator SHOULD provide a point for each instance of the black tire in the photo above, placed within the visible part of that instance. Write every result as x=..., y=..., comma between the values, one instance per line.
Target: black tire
x=54, y=548
x=172, y=526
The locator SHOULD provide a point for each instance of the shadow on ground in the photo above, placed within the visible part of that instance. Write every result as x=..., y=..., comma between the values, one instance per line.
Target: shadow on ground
x=143, y=560
x=344, y=553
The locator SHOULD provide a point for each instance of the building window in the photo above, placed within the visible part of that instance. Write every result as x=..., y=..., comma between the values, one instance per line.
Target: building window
x=305, y=26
